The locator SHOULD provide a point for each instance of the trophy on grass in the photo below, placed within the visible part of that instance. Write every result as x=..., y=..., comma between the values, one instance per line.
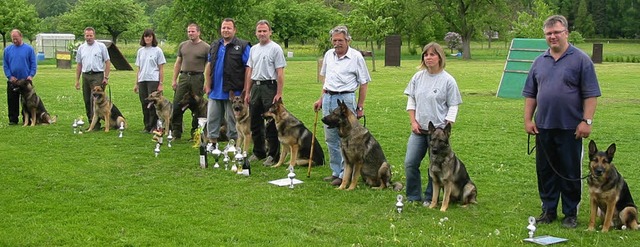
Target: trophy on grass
x=216, y=155
x=80, y=123
x=75, y=126
x=121, y=129
x=291, y=176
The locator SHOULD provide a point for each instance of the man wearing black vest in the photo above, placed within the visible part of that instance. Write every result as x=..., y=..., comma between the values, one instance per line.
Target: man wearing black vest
x=225, y=71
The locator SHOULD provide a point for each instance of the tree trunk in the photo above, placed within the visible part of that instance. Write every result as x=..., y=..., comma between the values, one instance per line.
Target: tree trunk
x=4, y=39
x=373, y=57
x=286, y=43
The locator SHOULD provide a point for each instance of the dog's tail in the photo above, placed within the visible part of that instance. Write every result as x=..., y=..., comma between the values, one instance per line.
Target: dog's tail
x=318, y=154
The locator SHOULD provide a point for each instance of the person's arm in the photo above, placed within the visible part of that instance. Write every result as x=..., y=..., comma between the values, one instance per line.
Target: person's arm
x=33, y=66
x=78, y=73
x=176, y=73
x=135, y=84
x=530, y=105
x=107, y=71
x=247, y=84
x=161, y=77
x=584, y=130
x=207, y=78
x=280, y=84
x=362, y=94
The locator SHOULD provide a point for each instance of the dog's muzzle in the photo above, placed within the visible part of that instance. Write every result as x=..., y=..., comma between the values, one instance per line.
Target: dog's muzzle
x=598, y=172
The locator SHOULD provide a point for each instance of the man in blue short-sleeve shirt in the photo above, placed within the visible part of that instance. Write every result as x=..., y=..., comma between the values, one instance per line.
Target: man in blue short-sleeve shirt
x=561, y=89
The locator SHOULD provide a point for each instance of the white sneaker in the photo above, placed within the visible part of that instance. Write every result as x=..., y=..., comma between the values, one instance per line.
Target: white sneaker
x=426, y=204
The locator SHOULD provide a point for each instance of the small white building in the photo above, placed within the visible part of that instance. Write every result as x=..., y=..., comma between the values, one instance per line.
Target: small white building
x=49, y=43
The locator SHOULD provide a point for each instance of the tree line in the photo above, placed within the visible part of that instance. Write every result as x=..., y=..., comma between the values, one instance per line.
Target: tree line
x=308, y=21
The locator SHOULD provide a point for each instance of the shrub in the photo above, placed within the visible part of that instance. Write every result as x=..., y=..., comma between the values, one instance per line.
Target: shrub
x=576, y=38
x=454, y=41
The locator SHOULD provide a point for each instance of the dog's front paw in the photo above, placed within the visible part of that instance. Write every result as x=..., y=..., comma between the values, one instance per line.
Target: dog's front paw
x=433, y=205
x=340, y=188
x=591, y=228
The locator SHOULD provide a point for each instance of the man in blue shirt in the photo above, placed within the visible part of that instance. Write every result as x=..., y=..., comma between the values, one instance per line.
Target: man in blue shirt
x=19, y=63
x=562, y=89
x=225, y=71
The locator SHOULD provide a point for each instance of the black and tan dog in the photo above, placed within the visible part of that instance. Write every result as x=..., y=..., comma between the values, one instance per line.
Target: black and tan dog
x=294, y=137
x=163, y=106
x=198, y=104
x=362, y=154
x=104, y=109
x=33, y=110
x=243, y=120
x=448, y=172
x=609, y=192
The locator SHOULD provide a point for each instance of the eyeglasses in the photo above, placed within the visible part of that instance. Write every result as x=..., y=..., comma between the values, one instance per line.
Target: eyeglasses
x=555, y=33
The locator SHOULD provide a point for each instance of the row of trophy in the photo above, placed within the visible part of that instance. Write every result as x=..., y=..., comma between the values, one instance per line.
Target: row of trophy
x=231, y=156
x=78, y=124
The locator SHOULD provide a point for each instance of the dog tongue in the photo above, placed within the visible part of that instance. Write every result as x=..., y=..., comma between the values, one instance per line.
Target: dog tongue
x=149, y=105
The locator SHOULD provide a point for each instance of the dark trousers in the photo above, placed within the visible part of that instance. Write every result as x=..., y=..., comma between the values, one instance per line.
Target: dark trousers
x=150, y=119
x=560, y=151
x=186, y=84
x=88, y=82
x=13, y=103
x=261, y=100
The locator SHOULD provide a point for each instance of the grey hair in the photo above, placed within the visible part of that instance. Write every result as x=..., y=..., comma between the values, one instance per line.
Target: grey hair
x=341, y=29
x=552, y=20
x=265, y=22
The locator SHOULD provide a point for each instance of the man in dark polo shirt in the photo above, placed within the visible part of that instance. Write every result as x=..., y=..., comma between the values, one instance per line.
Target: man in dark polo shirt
x=562, y=89
x=188, y=76
x=94, y=66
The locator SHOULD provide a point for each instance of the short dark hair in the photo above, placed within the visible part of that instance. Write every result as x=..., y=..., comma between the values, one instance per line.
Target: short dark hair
x=148, y=32
x=230, y=20
x=90, y=29
x=193, y=24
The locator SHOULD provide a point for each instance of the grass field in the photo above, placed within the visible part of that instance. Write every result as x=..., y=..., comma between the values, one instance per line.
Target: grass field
x=96, y=189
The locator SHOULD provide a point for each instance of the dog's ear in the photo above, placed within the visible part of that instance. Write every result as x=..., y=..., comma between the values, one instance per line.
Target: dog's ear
x=610, y=151
x=593, y=149
x=432, y=128
x=231, y=94
x=447, y=129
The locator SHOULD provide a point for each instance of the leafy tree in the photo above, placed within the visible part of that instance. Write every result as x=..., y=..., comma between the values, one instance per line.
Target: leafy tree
x=405, y=16
x=530, y=25
x=113, y=17
x=584, y=22
x=454, y=41
x=466, y=17
x=48, y=8
x=17, y=14
x=302, y=21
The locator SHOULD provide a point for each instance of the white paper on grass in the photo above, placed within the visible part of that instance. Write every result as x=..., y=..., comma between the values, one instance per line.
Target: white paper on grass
x=285, y=182
x=545, y=240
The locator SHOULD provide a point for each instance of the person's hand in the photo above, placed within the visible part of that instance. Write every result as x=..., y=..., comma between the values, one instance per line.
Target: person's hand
x=359, y=112
x=29, y=78
x=105, y=81
x=174, y=85
x=530, y=128
x=135, y=88
x=160, y=87
x=77, y=85
x=583, y=130
x=276, y=98
x=247, y=98
x=13, y=79
x=317, y=105
x=415, y=127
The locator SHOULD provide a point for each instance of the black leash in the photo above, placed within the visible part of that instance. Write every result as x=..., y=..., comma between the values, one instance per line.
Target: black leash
x=546, y=156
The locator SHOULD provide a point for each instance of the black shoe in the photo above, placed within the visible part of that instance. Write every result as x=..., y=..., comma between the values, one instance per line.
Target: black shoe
x=546, y=218
x=570, y=222
x=13, y=123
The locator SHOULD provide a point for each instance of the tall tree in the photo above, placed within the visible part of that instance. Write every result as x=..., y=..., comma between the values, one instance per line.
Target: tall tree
x=529, y=25
x=466, y=17
x=47, y=8
x=112, y=17
x=584, y=22
x=600, y=19
x=18, y=14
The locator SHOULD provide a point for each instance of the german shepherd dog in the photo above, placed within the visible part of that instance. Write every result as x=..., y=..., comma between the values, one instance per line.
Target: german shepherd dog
x=362, y=154
x=163, y=106
x=243, y=120
x=447, y=171
x=294, y=137
x=192, y=99
x=104, y=109
x=609, y=192
x=33, y=111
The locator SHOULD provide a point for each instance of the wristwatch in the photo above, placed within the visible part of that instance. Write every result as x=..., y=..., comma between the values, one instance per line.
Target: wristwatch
x=588, y=121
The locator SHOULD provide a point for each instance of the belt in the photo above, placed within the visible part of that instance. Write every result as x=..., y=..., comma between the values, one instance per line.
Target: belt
x=335, y=93
x=92, y=72
x=190, y=72
x=267, y=82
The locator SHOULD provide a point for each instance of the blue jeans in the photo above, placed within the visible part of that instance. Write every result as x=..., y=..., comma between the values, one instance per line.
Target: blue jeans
x=417, y=148
x=330, y=102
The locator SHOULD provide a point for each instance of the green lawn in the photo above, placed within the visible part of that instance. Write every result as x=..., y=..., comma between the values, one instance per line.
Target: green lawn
x=96, y=189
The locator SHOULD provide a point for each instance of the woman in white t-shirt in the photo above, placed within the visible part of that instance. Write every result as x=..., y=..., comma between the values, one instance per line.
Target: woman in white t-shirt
x=433, y=96
x=150, y=61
